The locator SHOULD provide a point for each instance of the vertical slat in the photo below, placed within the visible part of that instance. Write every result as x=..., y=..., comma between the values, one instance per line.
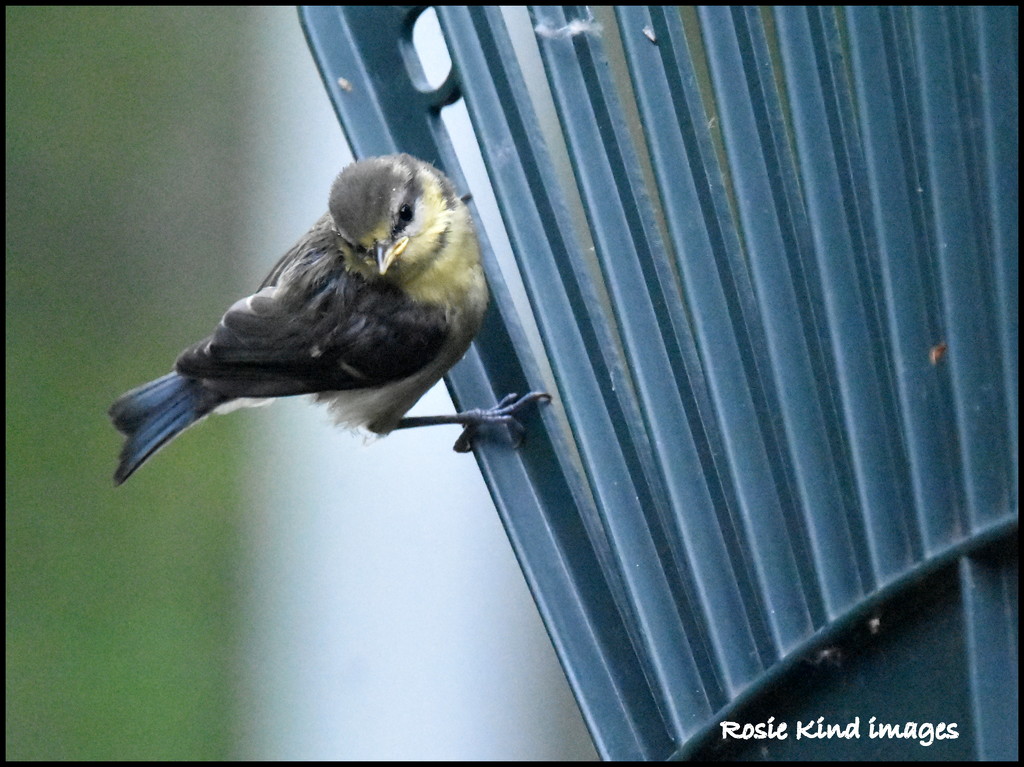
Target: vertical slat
x=582, y=353
x=965, y=268
x=989, y=588
x=602, y=177
x=895, y=191
x=650, y=317
x=703, y=238
x=998, y=47
x=778, y=249
x=822, y=148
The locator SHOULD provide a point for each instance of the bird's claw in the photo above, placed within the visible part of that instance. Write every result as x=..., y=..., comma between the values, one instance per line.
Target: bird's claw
x=504, y=412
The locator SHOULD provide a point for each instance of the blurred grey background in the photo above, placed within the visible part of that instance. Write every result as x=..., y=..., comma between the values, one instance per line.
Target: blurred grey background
x=269, y=587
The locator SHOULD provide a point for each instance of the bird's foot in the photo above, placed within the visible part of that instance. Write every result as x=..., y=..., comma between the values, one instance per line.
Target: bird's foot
x=504, y=413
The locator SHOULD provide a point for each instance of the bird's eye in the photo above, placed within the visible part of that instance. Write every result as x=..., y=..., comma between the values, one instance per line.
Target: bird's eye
x=405, y=214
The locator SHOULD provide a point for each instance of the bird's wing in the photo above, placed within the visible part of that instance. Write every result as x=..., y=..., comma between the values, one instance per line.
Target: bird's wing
x=340, y=333
x=312, y=246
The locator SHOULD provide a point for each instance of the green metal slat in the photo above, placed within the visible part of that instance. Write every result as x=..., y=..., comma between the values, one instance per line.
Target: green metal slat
x=779, y=460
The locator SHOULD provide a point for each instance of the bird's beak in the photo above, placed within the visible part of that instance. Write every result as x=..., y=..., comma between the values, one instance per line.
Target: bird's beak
x=386, y=255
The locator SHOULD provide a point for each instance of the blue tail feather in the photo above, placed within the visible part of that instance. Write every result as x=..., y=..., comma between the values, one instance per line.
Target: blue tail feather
x=154, y=414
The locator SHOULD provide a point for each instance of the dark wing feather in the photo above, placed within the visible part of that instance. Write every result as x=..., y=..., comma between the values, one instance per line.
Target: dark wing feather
x=335, y=332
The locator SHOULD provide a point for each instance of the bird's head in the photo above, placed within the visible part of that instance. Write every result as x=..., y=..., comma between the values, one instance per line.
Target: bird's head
x=394, y=216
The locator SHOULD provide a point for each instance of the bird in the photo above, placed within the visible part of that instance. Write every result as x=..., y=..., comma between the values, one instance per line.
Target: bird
x=366, y=312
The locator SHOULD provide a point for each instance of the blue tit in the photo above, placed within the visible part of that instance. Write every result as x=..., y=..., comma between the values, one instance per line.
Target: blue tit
x=366, y=312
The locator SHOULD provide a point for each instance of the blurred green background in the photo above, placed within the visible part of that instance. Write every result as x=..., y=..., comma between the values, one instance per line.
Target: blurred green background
x=258, y=590
x=123, y=180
